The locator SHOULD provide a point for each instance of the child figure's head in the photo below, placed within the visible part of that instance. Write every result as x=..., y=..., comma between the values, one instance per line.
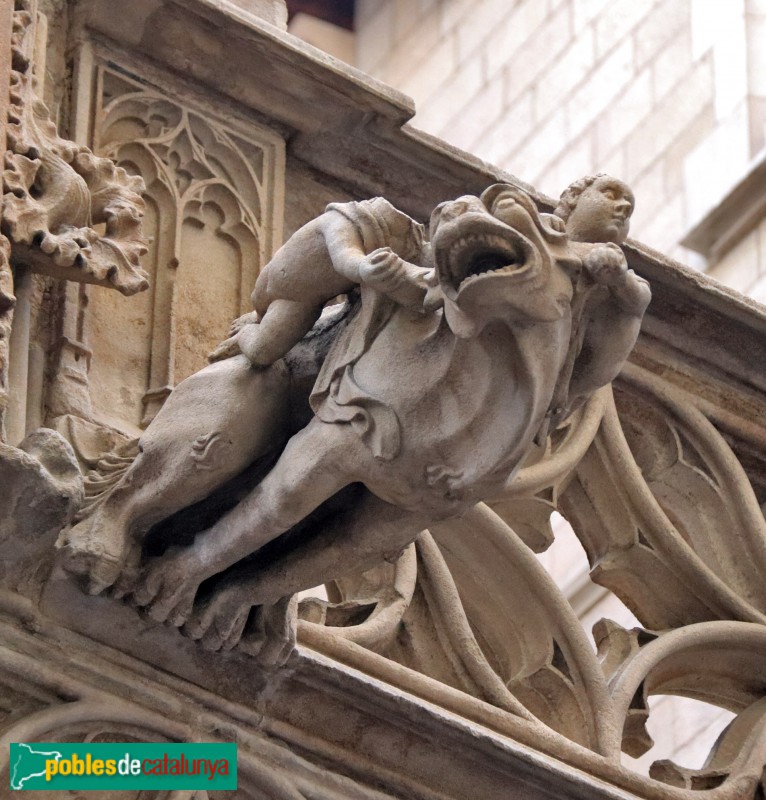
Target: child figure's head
x=596, y=208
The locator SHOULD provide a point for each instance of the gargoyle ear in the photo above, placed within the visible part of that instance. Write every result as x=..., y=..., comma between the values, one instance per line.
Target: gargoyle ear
x=553, y=228
x=489, y=196
x=499, y=191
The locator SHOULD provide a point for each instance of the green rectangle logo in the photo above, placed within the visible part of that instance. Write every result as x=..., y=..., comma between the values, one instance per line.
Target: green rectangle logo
x=104, y=766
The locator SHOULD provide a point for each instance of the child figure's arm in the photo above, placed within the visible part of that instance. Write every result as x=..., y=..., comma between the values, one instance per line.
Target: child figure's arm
x=608, y=267
x=382, y=269
x=391, y=275
x=613, y=324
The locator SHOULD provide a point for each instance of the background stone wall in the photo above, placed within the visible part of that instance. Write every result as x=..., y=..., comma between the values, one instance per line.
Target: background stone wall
x=668, y=94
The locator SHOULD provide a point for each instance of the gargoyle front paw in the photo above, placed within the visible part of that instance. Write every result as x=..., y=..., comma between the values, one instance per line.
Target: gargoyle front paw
x=220, y=621
x=129, y=574
x=167, y=587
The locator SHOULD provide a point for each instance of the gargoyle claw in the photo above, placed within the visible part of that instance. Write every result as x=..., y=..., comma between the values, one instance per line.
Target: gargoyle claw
x=220, y=621
x=167, y=587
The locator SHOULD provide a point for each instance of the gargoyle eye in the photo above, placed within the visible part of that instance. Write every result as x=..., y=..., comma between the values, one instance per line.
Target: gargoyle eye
x=503, y=202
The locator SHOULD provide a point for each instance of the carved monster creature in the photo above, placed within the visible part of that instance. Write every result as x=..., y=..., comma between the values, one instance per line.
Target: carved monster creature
x=419, y=413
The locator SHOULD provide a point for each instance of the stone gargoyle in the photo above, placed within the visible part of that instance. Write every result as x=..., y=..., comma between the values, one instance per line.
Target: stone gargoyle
x=299, y=460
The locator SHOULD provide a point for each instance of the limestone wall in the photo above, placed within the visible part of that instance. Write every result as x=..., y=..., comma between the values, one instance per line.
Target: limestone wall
x=668, y=95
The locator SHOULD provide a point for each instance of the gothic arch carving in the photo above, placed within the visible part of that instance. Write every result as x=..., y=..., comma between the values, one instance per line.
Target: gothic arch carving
x=214, y=211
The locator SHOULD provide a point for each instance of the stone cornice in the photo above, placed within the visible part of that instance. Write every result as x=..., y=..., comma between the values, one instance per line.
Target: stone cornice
x=286, y=723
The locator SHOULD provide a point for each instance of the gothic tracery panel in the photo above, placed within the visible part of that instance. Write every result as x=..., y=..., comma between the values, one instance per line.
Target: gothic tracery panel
x=214, y=217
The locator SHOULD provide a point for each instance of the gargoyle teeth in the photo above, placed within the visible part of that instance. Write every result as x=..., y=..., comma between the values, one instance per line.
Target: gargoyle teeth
x=478, y=254
x=477, y=275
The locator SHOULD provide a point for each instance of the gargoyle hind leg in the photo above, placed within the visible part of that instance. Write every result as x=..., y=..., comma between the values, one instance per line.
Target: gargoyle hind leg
x=355, y=541
x=213, y=425
x=317, y=462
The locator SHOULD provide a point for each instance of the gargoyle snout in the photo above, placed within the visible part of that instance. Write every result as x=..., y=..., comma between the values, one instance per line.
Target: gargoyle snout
x=452, y=209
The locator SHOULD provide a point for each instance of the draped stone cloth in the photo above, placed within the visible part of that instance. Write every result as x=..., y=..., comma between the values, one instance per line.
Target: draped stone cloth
x=337, y=397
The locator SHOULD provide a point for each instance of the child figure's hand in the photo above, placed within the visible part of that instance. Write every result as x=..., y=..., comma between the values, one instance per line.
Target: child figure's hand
x=240, y=322
x=226, y=349
x=230, y=347
x=607, y=265
x=387, y=273
x=243, y=342
x=382, y=269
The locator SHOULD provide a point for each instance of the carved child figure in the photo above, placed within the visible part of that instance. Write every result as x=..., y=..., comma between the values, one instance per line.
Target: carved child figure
x=596, y=211
x=596, y=208
x=368, y=242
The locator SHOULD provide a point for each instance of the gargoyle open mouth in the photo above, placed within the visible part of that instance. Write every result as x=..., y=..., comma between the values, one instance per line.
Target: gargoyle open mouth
x=477, y=255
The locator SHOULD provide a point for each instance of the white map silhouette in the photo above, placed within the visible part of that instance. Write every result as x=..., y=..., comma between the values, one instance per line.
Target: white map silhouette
x=16, y=782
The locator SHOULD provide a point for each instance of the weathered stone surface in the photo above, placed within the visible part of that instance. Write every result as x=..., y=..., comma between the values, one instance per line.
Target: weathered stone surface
x=494, y=270
x=456, y=667
x=272, y=11
x=41, y=490
x=318, y=727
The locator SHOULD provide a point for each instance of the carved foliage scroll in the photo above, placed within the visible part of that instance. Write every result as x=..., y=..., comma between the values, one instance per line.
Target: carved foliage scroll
x=65, y=212
x=666, y=512
x=672, y=526
x=214, y=210
x=55, y=192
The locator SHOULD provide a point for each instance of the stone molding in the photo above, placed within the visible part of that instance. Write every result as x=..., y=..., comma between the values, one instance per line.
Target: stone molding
x=290, y=725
